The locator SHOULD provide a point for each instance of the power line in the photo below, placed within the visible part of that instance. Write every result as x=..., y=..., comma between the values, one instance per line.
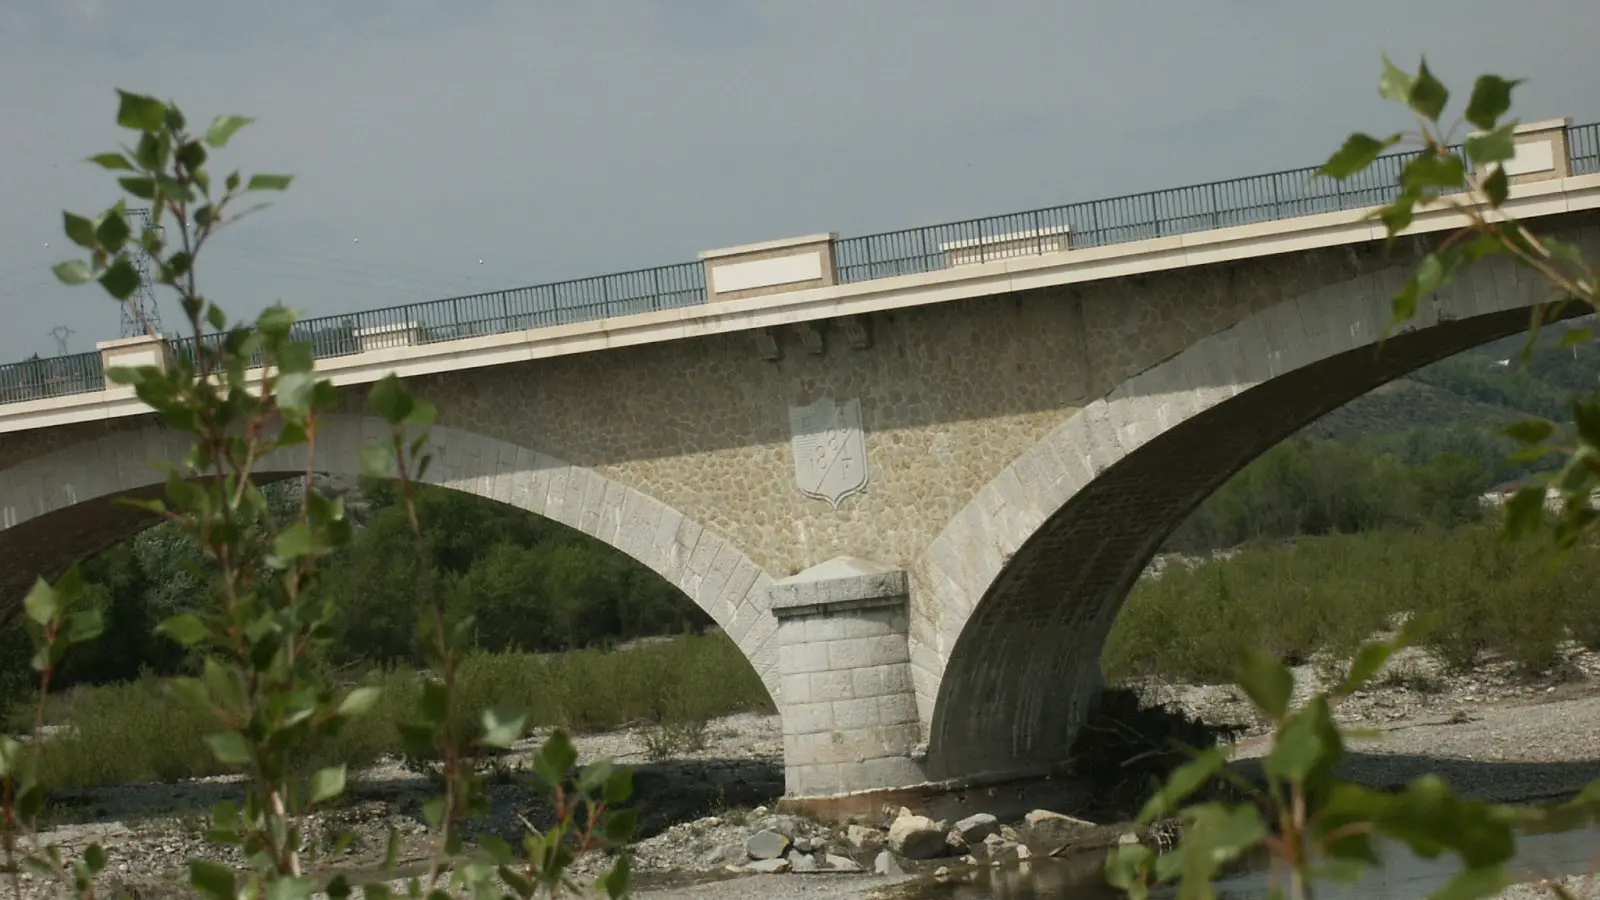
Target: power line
x=61, y=333
x=140, y=314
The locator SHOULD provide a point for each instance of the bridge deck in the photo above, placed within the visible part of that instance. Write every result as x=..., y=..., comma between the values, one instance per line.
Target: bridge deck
x=1141, y=225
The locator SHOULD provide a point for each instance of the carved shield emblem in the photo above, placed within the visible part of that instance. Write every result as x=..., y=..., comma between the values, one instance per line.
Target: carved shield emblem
x=830, y=449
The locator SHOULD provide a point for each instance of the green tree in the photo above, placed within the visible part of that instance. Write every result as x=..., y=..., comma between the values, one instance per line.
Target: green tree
x=240, y=391
x=1313, y=823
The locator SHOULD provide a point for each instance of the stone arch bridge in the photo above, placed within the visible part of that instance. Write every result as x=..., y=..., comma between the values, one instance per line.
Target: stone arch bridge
x=914, y=501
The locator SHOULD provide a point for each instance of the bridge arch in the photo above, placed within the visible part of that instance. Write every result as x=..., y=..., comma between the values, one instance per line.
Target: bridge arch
x=60, y=507
x=1016, y=595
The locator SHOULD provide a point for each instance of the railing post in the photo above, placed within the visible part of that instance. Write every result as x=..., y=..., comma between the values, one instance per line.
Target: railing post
x=131, y=352
x=1541, y=152
x=770, y=267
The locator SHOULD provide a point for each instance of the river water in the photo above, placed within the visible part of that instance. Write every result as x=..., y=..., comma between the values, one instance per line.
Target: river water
x=1403, y=876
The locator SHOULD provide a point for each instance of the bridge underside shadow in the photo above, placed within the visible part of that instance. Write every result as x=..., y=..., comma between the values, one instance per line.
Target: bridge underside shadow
x=1025, y=669
x=46, y=546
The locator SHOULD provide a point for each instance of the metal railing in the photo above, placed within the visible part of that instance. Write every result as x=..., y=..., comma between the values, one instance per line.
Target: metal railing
x=1220, y=204
x=1583, y=149
x=496, y=312
x=1153, y=214
x=55, y=376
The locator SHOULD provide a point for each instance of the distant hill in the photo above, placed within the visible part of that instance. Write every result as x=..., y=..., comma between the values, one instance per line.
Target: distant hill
x=1481, y=389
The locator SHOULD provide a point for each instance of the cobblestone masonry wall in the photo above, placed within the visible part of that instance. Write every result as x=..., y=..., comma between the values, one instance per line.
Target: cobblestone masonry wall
x=1013, y=601
x=57, y=506
x=950, y=396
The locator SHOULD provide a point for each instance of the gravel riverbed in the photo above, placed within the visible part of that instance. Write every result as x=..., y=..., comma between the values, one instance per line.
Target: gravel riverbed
x=1491, y=733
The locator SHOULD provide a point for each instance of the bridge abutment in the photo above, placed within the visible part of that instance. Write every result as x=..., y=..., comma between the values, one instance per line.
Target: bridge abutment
x=849, y=712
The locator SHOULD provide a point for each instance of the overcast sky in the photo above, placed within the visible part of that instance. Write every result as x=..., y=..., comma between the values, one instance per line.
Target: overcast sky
x=554, y=140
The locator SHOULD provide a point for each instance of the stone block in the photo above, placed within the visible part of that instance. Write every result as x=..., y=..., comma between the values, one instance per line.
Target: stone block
x=813, y=780
x=795, y=659
x=808, y=718
x=870, y=681
x=797, y=688
x=831, y=686
x=858, y=653
x=840, y=580
x=897, y=709
x=856, y=714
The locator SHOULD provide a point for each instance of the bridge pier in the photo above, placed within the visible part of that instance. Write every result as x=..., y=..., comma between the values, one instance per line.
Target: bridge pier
x=849, y=712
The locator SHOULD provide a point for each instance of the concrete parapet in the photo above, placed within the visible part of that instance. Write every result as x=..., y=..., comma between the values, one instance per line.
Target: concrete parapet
x=770, y=267
x=131, y=352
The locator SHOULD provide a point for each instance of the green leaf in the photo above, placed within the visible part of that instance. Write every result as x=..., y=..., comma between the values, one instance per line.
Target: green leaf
x=223, y=128
x=43, y=602
x=1229, y=831
x=434, y=704
x=121, y=279
x=112, y=162
x=327, y=783
x=73, y=271
x=1525, y=510
x=391, y=399
x=1184, y=780
x=293, y=542
x=619, y=787
x=296, y=391
x=556, y=758
x=94, y=856
x=113, y=231
x=1486, y=147
x=615, y=882
x=1307, y=743
x=502, y=727
x=140, y=113
x=79, y=229
x=1472, y=884
x=1428, y=94
x=229, y=747
x=193, y=155
x=619, y=825
x=1395, y=83
x=1428, y=277
x=276, y=321
x=1267, y=681
x=1358, y=152
x=1127, y=865
x=144, y=188
x=1497, y=187
x=1491, y=97
x=360, y=701
x=433, y=811
x=1432, y=170
x=1529, y=431
x=212, y=879
x=10, y=755
x=376, y=890
x=269, y=182
x=84, y=625
x=286, y=887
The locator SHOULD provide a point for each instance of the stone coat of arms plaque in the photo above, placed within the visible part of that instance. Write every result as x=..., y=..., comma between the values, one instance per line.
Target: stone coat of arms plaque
x=830, y=449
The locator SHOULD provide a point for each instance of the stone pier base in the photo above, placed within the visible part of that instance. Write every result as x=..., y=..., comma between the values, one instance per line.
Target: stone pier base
x=849, y=713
